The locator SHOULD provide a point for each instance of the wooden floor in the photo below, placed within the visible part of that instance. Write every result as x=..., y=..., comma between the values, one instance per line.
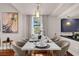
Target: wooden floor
x=10, y=52
x=7, y=52
x=41, y=53
x=47, y=53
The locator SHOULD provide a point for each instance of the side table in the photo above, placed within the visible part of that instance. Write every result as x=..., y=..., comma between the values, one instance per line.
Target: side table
x=8, y=44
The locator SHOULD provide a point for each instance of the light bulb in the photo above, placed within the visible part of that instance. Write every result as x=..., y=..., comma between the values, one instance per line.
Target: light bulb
x=68, y=23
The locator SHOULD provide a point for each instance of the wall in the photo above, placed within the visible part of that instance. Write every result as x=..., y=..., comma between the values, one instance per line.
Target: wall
x=24, y=26
x=54, y=26
x=22, y=30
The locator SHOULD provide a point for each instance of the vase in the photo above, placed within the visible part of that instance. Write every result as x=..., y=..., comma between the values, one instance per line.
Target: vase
x=8, y=39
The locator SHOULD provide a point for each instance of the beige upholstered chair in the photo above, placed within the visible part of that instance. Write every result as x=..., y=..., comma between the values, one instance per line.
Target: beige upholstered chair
x=17, y=48
x=55, y=39
x=18, y=51
x=64, y=47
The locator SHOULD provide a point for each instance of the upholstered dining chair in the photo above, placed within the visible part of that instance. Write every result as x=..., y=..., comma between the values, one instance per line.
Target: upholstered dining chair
x=55, y=39
x=18, y=51
x=64, y=47
x=17, y=48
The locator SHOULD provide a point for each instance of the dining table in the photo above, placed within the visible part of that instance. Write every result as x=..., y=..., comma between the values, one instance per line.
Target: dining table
x=32, y=45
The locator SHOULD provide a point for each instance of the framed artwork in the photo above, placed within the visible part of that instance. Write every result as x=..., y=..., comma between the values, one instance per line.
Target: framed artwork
x=9, y=22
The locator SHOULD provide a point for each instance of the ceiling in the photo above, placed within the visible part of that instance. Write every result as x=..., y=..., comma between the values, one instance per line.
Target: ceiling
x=55, y=9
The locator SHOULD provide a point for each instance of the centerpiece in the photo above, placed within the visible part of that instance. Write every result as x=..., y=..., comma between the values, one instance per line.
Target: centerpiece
x=42, y=43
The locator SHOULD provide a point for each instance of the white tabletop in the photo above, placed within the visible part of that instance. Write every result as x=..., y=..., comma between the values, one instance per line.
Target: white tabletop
x=31, y=46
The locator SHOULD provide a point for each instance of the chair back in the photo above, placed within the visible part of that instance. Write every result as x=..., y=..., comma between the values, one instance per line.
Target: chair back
x=18, y=51
x=64, y=47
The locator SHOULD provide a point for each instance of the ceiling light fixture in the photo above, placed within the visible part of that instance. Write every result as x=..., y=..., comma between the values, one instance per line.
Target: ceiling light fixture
x=37, y=13
x=68, y=23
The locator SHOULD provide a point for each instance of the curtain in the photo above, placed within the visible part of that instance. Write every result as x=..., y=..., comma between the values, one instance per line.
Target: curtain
x=45, y=24
x=29, y=18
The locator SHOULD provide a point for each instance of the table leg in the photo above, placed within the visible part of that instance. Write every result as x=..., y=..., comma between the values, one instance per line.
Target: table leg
x=9, y=46
x=6, y=45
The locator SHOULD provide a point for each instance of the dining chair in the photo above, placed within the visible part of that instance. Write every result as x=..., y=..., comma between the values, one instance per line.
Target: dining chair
x=55, y=39
x=64, y=47
x=17, y=49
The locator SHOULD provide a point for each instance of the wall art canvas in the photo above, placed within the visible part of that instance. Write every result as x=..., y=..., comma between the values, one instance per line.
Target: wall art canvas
x=10, y=22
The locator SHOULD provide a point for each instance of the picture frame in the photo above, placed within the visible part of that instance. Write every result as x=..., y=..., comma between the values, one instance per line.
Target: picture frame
x=9, y=22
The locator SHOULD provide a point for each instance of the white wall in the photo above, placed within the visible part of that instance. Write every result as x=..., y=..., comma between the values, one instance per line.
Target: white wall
x=54, y=26
x=22, y=26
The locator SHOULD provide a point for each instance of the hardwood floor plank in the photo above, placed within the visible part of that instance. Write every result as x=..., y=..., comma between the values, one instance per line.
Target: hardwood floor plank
x=7, y=52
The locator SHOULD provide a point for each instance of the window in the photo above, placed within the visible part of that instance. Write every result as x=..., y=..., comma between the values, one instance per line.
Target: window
x=37, y=26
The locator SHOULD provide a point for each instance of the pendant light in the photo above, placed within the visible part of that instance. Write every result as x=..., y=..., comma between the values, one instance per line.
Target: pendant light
x=37, y=13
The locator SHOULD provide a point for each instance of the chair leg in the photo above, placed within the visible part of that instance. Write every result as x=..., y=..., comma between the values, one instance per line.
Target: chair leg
x=26, y=53
x=32, y=53
x=29, y=52
x=52, y=54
